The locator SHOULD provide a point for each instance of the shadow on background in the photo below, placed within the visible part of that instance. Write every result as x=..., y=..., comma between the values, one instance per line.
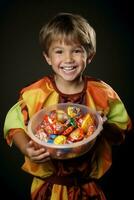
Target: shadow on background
x=22, y=63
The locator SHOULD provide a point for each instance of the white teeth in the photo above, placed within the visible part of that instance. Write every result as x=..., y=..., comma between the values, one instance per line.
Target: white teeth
x=68, y=68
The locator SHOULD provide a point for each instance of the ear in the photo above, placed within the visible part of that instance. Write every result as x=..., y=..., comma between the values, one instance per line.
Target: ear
x=90, y=57
x=47, y=58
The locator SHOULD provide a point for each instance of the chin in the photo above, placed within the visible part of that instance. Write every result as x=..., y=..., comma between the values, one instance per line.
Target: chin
x=70, y=77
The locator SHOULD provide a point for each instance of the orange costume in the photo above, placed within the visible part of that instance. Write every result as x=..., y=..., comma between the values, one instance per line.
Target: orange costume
x=71, y=179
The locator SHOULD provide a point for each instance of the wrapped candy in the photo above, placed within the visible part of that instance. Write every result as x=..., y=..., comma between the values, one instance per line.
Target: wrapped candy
x=65, y=126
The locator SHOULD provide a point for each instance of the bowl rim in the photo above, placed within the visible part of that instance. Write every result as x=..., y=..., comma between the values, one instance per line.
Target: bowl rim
x=70, y=145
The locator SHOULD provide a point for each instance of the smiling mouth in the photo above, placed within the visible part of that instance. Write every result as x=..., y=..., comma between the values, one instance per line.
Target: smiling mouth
x=68, y=68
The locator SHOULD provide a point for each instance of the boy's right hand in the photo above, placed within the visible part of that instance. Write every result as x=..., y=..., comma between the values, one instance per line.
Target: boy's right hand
x=36, y=153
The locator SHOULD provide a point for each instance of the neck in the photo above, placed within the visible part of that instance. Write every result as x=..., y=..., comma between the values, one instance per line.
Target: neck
x=69, y=87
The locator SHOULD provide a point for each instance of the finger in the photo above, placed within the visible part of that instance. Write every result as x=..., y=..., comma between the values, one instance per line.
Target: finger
x=33, y=145
x=40, y=157
x=38, y=152
x=37, y=146
x=43, y=160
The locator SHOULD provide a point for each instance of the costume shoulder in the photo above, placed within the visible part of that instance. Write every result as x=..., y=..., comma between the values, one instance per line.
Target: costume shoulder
x=39, y=94
x=43, y=83
x=100, y=92
x=98, y=83
x=102, y=97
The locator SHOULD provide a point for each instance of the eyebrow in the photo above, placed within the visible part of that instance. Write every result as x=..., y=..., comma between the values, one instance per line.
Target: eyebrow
x=60, y=47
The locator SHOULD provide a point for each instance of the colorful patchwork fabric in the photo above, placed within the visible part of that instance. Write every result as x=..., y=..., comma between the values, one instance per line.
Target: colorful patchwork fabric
x=98, y=96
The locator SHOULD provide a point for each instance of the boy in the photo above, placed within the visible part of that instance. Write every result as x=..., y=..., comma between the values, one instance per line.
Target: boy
x=69, y=44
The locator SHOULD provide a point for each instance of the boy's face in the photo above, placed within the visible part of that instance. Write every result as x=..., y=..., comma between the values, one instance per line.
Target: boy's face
x=67, y=60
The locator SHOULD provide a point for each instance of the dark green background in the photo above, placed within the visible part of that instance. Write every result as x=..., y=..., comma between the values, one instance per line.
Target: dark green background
x=22, y=63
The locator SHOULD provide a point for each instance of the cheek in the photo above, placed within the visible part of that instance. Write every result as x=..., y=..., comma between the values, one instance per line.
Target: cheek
x=56, y=60
x=83, y=60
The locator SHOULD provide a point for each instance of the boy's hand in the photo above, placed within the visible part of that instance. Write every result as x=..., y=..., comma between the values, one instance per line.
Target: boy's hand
x=36, y=153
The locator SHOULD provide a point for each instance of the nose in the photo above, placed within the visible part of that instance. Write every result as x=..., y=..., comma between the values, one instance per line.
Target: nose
x=68, y=57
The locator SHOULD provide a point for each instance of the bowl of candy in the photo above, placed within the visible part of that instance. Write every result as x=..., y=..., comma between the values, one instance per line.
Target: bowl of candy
x=66, y=130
